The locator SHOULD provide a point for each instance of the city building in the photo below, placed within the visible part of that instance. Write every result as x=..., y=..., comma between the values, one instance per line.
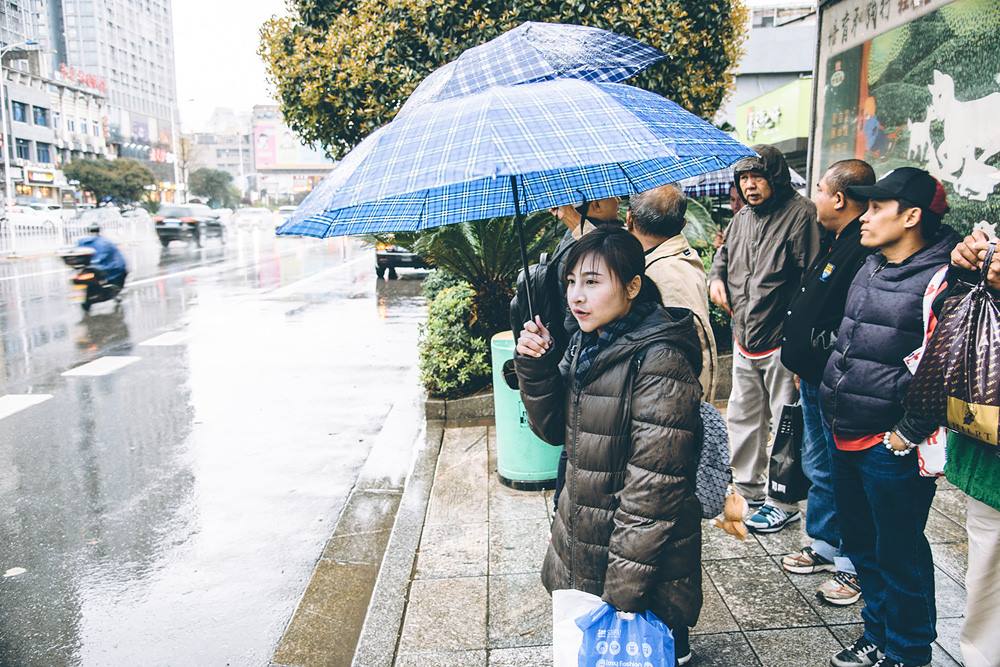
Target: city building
x=285, y=169
x=771, y=100
x=126, y=51
x=225, y=145
x=887, y=93
x=50, y=119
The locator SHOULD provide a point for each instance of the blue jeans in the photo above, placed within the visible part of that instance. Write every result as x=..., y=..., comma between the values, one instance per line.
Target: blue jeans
x=821, y=513
x=883, y=502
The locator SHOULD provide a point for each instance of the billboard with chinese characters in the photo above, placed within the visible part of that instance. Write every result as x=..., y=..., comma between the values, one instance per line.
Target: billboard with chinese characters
x=914, y=82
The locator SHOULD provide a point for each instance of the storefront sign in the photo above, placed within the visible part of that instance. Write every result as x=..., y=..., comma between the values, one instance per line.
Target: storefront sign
x=74, y=75
x=41, y=176
x=777, y=116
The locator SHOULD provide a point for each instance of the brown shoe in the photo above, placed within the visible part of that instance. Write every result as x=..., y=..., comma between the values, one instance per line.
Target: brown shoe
x=806, y=561
x=841, y=591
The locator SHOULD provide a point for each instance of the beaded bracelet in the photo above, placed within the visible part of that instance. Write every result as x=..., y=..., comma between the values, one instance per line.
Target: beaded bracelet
x=897, y=452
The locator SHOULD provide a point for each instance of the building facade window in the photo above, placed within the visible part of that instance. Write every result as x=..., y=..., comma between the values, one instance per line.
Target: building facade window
x=23, y=149
x=19, y=111
x=70, y=124
x=44, y=152
x=41, y=116
x=96, y=127
x=56, y=121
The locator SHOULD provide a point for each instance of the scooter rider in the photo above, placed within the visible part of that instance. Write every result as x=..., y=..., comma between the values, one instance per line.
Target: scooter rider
x=108, y=259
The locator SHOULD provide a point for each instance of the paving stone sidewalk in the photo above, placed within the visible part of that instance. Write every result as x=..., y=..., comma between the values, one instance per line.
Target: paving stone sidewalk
x=475, y=598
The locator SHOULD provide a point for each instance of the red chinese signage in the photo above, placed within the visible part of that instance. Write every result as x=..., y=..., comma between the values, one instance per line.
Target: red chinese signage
x=75, y=75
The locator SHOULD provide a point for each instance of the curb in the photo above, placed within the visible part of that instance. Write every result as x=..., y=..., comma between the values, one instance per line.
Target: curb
x=477, y=406
x=383, y=622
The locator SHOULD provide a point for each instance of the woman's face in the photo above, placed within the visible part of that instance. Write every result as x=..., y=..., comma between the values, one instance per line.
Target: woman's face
x=596, y=296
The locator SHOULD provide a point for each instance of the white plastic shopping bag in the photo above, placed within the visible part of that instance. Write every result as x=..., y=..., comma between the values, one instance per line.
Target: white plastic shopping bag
x=587, y=632
x=567, y=606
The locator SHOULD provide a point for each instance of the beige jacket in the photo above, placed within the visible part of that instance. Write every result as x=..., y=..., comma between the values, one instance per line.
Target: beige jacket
x=676, y=269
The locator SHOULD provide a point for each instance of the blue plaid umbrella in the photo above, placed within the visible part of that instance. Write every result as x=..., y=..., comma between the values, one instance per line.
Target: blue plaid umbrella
x=537, y=52
x=509, y=150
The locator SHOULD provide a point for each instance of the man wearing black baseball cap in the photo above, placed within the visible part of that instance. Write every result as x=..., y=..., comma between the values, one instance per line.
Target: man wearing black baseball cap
x=882, y=500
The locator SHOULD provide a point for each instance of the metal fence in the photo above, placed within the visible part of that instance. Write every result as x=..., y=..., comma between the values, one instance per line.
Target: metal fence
x=23, y=235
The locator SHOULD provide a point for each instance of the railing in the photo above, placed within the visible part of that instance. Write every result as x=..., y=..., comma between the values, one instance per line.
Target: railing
x=23, y=235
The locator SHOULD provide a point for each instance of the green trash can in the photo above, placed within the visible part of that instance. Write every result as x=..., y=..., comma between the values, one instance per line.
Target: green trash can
x=524, y=461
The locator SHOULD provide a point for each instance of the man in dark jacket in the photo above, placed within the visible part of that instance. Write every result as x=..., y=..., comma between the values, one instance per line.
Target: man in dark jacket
x=768, y=246
x=809, y=332
x=882, y=500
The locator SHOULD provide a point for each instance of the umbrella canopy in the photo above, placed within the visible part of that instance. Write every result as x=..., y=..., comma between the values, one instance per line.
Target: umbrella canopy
x=556, y=142
x=717, y=183
x=537, y=52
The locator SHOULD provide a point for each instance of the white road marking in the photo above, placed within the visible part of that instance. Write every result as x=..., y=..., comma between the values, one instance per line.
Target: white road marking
x=12, y=403
x=101, y=366
x=169, y=338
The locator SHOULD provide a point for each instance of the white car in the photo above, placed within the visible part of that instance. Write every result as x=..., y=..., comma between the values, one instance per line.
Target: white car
x=138, y=214
x=284, y=214
x=253, y=217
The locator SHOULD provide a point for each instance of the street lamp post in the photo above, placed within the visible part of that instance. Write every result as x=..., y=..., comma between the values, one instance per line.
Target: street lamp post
x=8, y=181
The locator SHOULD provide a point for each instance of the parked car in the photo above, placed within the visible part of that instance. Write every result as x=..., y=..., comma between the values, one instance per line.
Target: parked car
x=389, y=257
x=188, y=222
x=139, y=214
x=284, y=213
x=254, y=217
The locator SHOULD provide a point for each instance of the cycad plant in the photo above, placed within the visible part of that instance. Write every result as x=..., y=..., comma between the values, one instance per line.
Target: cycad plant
x=486, y=255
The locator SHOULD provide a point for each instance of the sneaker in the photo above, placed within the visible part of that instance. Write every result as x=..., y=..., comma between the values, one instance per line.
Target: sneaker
x=806, y=561
x=889, y=662
x=753, y=503
x=841, y=591
x=771, y=519
x=861, y=653
x=684, y=659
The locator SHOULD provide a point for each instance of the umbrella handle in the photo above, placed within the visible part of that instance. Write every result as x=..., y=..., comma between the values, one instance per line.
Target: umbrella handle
x=519, y=221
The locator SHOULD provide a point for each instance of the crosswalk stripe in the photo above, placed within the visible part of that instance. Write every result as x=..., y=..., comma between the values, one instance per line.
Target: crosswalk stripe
x=101, y=366
x=12, y=403
x=169, y=338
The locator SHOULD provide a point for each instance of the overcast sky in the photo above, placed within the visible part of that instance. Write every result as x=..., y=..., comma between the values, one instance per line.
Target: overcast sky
x=215, y=44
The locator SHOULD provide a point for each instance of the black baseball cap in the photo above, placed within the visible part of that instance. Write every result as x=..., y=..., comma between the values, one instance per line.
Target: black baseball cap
x=916, y=186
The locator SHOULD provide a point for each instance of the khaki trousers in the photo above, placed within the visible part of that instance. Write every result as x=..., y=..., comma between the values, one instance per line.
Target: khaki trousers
x=980, y=639
x=761, y=387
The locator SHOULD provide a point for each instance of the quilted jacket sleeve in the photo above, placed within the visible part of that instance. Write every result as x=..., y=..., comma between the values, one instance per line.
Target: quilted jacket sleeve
x=659, y=476
x=543, y=393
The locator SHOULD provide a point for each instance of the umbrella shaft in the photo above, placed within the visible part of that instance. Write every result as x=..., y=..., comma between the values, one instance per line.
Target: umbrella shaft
x=519, y=221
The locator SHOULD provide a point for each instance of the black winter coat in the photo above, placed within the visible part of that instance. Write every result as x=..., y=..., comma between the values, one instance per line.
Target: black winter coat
x=866, y=380
x=628, y=527
x=815, y=312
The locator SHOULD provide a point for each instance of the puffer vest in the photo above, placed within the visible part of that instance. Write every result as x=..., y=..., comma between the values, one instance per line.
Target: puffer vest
x=865, y=380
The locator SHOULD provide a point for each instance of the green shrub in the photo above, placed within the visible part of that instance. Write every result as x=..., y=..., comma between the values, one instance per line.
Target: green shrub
x=438, y=280
x=453, y=362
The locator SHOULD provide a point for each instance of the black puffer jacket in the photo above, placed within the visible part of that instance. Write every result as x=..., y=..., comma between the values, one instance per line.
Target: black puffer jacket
x=629, y=524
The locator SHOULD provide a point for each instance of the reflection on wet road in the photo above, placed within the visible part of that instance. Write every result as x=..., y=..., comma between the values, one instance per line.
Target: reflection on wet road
x=168, y=498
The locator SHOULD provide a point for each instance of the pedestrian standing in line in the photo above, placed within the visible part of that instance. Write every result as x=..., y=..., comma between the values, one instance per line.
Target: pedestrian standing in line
x=882, y=500
x=975, y=469
x=578, y=220
x=625, y=401
x=769, y=244
x=810, y=330
x=656, y=218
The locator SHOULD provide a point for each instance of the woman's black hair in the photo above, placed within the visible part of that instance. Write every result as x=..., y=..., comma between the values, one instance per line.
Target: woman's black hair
x=622, y=254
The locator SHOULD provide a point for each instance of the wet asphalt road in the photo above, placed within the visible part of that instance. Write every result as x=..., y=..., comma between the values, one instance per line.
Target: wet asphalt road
x=170, y=511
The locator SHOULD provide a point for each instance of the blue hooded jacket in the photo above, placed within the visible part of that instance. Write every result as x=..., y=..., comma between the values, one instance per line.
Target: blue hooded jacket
x=107, y=257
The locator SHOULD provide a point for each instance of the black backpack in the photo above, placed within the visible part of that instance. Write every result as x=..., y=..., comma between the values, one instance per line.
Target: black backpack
x=547, y=296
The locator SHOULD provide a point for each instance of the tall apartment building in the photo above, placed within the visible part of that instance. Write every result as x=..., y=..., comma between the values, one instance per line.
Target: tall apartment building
x=126, y=47
x=52, y=116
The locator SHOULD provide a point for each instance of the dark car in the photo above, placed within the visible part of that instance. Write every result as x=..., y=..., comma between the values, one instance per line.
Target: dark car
x=187, y=222
x=390, y=257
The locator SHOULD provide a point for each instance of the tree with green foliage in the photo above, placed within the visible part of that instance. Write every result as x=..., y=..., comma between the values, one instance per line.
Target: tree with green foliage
x=215, y=185
x=342, y=68
x=121, y=181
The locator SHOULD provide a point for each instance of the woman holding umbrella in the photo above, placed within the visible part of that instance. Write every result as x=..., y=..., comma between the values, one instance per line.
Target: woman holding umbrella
x=624, y=399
